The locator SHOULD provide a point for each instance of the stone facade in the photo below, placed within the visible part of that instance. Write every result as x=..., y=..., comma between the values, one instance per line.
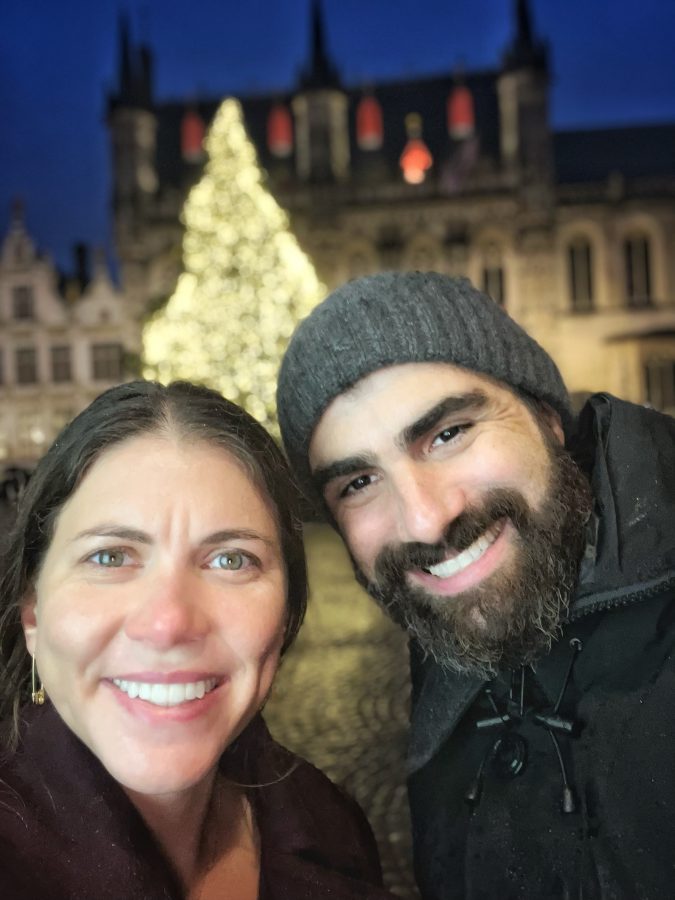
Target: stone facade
x=574, y=232
x=62, y=342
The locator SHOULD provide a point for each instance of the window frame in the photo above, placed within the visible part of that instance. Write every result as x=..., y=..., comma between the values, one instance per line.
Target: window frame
x=21, y=355
x=580, y=274
x=107, y=368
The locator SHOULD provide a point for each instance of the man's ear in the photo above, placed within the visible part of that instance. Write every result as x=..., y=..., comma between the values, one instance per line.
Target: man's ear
x=29, y=620
x=553, y=422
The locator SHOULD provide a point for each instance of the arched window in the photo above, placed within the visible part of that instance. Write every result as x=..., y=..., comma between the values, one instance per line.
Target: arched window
x=23, y=302
x=637, y=253
x=580, y=273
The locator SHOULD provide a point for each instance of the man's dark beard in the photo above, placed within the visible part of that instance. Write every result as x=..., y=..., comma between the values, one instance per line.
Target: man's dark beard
x=513, y=615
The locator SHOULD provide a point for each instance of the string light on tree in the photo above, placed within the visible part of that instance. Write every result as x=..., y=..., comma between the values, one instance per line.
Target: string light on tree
x=245, y=285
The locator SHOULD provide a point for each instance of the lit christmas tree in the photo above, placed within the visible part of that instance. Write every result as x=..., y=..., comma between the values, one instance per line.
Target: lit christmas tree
x=245, y=285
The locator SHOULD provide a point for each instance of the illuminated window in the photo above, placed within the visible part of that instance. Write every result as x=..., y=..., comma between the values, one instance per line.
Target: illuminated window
x=638, y=271
x=660, y=384
x=61, y=366
x=26, y=365
x=579, y=263
x=23, y=304
x=106, y=362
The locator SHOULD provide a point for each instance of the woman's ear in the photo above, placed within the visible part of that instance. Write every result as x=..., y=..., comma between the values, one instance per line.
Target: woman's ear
x=29, y=621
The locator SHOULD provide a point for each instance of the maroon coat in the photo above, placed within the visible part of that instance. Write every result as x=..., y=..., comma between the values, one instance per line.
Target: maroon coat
x=69, y=832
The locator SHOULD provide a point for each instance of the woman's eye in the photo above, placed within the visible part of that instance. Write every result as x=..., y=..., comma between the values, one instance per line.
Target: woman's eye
x=110, y=559
x=231, y=560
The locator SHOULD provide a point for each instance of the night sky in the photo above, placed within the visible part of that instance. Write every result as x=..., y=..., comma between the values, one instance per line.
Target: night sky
x=613, y=63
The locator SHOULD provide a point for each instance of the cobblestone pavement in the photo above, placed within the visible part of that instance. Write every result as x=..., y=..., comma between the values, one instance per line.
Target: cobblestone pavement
x=341, y=700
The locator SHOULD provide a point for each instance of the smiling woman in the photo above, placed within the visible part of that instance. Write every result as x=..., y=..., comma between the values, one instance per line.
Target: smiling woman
x=153, y=579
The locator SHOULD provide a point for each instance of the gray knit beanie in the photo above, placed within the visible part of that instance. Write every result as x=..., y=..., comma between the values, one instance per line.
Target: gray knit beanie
x=391, y=318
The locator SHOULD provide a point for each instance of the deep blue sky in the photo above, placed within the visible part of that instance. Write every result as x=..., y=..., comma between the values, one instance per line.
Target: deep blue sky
x=613, y=62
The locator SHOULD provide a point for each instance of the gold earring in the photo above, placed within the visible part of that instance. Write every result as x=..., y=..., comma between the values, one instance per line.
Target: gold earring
x=37, y=696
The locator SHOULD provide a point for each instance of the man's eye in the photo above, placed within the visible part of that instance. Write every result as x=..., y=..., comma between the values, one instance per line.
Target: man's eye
x=110, y=559
x=357, y=484
x=449, y=434
x=230, y=560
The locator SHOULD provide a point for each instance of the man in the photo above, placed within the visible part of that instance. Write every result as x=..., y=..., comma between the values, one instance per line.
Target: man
x=531, y=558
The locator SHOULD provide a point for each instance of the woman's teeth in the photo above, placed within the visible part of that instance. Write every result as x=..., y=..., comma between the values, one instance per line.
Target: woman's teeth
x=452, y=566
x=166, y=694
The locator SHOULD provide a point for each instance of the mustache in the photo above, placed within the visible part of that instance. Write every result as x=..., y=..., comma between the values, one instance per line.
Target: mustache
x=393, y=560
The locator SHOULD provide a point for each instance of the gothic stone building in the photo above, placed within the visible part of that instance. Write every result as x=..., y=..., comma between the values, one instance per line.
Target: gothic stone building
x=572, y=231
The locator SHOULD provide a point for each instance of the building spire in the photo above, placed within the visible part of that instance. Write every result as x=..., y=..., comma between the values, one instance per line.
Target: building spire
x=18, y=212
x=523, y=23
x=126, y=78
x=321, y=72
x=525, y=50
x=134, y=87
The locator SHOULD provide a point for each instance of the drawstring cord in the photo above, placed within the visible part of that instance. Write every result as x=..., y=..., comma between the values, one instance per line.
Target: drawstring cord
x=507, y=753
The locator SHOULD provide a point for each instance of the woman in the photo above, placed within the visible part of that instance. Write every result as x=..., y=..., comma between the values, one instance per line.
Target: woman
x=153, y=578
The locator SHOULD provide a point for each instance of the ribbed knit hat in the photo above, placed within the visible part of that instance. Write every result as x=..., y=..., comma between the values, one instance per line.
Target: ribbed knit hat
x=392, y=318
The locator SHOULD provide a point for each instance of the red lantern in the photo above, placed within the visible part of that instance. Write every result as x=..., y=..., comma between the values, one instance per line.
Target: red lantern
x=192, y=136
x=279, y=131
x=461, y=116
x=369, y=126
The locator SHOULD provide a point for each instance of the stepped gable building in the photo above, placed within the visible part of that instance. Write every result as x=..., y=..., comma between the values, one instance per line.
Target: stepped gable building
x=63, y=340
x=573, y=231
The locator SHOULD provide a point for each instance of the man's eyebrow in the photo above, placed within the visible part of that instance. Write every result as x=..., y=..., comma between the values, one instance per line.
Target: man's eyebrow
x=456, y=403
x=347, y=466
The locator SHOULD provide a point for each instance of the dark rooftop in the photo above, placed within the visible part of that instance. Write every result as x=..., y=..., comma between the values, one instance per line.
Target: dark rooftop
x=635, y=151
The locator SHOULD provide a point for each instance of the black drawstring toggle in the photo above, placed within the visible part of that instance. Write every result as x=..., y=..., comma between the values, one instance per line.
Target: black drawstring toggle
x=507, y=754
x=557, y=723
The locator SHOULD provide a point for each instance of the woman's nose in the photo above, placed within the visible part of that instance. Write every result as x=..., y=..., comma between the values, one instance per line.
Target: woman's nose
x=171, y=611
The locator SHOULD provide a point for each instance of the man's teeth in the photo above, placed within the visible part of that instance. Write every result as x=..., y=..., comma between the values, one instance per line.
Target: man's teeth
x=466, y=557
x=166, y=694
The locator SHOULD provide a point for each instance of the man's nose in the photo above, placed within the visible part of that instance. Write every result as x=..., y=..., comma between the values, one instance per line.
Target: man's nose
x=170, y=612
x=426, y=505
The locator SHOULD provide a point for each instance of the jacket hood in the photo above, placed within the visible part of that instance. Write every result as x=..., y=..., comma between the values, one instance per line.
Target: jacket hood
x=633, y=482
x=630, y=453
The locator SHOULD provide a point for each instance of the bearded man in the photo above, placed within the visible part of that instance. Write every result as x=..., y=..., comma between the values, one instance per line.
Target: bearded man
x=530, y=555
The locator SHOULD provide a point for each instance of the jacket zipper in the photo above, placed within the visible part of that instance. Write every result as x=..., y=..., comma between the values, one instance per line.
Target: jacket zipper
x=626, y=598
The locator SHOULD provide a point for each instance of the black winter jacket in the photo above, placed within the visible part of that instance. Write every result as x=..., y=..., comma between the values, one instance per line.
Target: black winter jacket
x=488, y=799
